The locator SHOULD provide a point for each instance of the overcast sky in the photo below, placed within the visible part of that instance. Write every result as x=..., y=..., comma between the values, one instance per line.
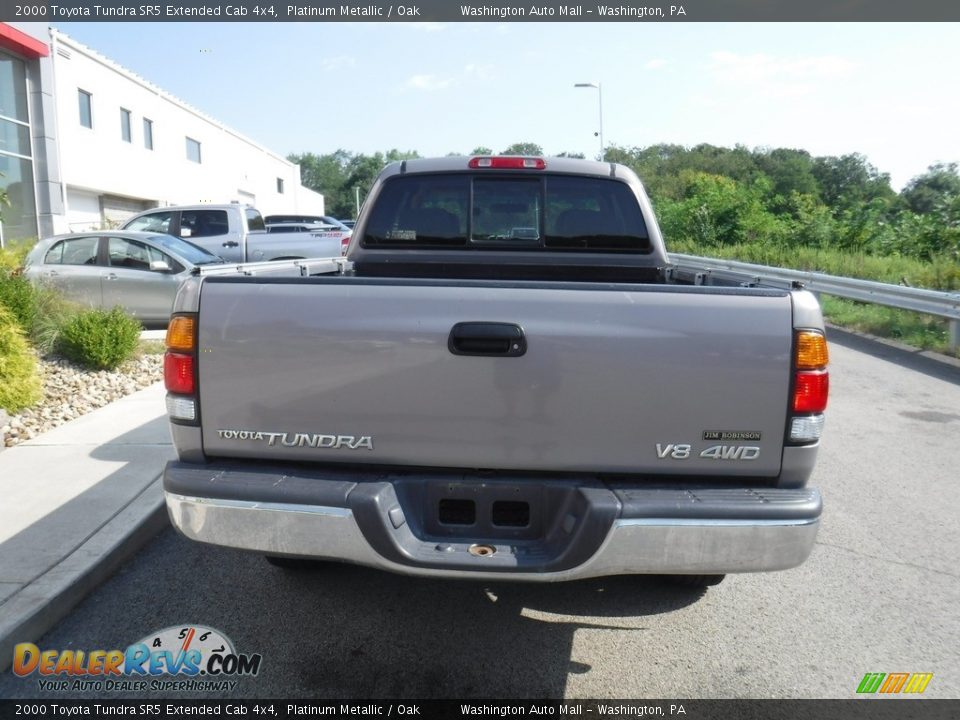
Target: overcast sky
x=889, y=91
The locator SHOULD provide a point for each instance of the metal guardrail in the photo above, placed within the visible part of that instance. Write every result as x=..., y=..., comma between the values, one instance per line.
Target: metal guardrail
x=931, y=302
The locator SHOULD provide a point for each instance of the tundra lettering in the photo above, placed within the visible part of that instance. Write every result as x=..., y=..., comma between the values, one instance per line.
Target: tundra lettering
x=300, y=439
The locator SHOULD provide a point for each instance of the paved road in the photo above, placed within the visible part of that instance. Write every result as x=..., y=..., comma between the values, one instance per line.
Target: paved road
x=880, y=594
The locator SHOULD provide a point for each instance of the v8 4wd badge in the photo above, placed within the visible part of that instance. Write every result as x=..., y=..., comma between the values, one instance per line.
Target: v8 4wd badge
x=683, y=451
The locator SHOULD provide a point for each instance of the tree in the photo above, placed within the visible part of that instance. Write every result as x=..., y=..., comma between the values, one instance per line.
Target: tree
x=848, y=181
x=931, y=226
x=326, y=175
x=523, y=148
x=481, y=150
x=936, y=188
x=790, y=171
x=717, y=210
x=338, y=176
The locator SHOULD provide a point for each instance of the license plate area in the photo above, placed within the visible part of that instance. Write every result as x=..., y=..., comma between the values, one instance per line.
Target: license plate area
x=488, y=510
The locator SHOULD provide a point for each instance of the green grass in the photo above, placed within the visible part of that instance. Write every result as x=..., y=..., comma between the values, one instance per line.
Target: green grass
x=927, y=332
x=943, y=273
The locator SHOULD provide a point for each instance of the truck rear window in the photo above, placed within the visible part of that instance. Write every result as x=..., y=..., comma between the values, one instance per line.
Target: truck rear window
x=254, y=220
x=552, y=212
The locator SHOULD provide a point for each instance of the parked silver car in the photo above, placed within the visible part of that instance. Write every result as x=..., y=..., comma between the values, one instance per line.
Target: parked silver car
x=139, y=271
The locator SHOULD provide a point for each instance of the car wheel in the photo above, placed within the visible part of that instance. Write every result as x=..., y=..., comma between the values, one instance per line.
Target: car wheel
x=696, y=581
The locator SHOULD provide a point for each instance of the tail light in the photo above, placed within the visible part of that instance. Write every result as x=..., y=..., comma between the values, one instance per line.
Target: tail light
x=344, y=244
x=508, y=162
x=811, y=386
x=178, y=373
x=179, y=368
x=810, y=392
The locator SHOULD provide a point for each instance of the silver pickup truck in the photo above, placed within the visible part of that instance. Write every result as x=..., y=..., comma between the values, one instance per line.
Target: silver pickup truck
x=505, y=378
x=237, y=233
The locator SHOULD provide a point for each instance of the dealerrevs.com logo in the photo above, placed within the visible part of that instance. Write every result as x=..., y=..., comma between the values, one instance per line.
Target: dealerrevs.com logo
x=182, y=657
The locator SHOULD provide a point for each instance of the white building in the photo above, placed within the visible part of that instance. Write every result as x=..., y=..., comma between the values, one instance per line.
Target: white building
x=88, y=143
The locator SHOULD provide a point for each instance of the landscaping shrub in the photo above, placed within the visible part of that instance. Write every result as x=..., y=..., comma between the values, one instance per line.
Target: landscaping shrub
x=99, y=339
x=13, y=255
x=19, y=297
x=19, y=383
x=53, y=311
x=40, y=310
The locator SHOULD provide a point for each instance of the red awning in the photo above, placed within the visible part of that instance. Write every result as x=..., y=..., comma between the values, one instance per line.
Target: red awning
x=19, y=42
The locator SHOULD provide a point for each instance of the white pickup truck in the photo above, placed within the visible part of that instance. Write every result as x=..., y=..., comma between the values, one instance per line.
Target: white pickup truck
x=237, y=233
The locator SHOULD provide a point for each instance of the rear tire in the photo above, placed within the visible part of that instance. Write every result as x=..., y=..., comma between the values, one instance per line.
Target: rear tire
x=696, y=581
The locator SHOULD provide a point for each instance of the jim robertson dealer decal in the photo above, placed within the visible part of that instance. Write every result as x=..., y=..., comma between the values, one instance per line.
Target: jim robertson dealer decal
x=182, y=657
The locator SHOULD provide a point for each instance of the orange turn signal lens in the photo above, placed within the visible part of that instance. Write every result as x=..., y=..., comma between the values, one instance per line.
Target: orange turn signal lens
x=811, y=350
x=180, y=333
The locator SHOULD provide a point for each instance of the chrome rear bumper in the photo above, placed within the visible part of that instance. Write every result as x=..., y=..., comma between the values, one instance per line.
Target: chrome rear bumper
x=631, y=545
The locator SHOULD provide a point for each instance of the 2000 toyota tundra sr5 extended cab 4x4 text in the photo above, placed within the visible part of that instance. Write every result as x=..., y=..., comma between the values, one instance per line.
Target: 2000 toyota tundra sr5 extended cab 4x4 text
x=506, y=378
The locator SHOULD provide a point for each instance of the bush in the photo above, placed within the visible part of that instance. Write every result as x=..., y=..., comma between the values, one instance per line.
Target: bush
x=39, y=310
x=53, y=312
x=99, y=339
x=13, y=255
x=19, y=383
x=19, y=297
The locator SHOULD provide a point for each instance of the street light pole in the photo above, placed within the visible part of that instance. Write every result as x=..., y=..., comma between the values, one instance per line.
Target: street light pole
x=599, y=88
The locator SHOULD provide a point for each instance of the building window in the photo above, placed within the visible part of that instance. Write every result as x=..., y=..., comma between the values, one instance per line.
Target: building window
x=148, y=133
x=18, y=217
x=193, y=150
x=280, y=185
x=125, y=125
x=86, y=111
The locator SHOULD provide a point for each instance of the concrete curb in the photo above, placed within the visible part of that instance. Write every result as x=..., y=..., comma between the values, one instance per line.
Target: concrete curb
x=38, y=606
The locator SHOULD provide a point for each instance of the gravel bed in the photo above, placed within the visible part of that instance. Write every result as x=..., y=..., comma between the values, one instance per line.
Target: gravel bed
x=70, y=391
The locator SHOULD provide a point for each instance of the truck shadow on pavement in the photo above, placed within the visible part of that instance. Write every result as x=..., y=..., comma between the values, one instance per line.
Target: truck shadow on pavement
x=339, y=631
x=415, y=638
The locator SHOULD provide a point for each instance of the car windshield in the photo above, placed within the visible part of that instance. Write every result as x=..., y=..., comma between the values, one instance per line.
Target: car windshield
x=193, y=254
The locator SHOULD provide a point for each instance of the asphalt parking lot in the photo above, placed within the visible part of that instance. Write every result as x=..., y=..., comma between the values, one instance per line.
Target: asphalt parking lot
x=879, y=593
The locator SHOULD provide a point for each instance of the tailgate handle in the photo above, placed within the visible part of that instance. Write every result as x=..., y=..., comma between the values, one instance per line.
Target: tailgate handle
x=487, y=339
